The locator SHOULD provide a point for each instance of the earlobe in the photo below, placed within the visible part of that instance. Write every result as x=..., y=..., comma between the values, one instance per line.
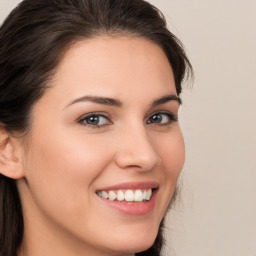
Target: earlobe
x=10, y=157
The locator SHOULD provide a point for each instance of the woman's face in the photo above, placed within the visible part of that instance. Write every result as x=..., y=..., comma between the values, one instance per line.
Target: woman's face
x=106, y=128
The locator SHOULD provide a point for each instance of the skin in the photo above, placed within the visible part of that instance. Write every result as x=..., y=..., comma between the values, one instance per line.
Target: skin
x=66, y=160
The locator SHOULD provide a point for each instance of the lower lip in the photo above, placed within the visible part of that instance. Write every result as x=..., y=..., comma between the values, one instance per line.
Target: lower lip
x=132, y=208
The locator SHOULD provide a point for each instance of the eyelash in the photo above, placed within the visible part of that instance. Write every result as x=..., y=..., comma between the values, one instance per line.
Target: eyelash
x=171, y=118
x=84, y=119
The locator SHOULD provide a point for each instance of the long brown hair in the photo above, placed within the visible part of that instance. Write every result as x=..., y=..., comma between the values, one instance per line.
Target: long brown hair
x=33, y=39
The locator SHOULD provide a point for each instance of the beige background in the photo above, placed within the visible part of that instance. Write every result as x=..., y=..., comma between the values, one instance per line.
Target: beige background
x=217, y=213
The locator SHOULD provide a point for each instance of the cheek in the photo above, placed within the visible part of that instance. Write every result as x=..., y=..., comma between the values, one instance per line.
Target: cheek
x=172, y=153
x=176, y=156
x=174, y=163
x=62, y=168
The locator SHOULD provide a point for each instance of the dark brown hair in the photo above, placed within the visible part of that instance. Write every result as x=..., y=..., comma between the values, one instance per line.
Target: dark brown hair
x=33, y=39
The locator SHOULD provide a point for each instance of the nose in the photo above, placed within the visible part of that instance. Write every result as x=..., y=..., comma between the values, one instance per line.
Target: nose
x=136, y=151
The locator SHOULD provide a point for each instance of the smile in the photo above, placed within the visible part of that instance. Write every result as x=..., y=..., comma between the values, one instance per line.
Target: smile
x=130, y=198
x=138, y=195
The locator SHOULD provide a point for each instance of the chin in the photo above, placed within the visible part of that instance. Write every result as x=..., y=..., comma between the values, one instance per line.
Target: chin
x=135, y=242
x=137, y=247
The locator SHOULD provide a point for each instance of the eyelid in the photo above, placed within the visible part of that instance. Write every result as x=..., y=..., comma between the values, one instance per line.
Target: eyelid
x=88, y=115
x=173, y=117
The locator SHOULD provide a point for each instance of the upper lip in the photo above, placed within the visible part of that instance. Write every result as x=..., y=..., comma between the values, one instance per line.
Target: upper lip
x=131, y=185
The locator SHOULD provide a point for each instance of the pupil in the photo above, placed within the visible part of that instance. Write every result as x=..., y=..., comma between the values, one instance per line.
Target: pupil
x=156, y=118
x=93, y=120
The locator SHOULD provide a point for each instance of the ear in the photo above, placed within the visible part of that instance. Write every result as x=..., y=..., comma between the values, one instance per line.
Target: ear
x=10, y=155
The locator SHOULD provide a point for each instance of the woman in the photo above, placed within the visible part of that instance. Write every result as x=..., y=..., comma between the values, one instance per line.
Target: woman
x=90, y=145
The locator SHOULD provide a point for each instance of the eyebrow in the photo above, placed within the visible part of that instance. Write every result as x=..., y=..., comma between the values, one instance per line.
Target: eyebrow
x=117, y=103
x=99, y=100
x=166, y=99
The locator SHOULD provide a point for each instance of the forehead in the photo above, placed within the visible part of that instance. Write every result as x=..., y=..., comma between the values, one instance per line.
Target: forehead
x=114, y=65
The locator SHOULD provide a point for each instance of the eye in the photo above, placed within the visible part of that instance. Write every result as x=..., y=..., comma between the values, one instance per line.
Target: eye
x=161, y=118
x=95, y=120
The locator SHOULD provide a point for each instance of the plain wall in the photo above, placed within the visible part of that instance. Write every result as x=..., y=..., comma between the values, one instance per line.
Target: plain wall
x=217, y=212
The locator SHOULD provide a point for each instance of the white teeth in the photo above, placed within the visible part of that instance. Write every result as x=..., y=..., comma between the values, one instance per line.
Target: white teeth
x=104, y=195
x=145, y=194
x=112, y=195
x=149, y=194
x=120, y=195
x=138, y=196
x=128, y=195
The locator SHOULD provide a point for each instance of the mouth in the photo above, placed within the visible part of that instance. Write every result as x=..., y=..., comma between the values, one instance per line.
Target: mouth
x=129, y=195
x=130, y=198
